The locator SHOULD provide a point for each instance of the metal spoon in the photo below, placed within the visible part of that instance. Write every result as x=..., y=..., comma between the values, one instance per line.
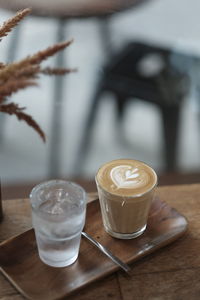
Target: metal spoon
x=107, y=252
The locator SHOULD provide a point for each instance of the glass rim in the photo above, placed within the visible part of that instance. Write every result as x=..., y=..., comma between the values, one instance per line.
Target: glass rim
x=37, y=188
x=134, y=195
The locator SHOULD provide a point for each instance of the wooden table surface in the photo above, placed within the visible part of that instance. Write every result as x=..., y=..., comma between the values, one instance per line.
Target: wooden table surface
x=172, y=272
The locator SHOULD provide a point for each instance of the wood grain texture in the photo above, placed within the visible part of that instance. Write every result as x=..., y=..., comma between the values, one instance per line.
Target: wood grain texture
x=17, y=218
x=170, y=273
x=20, y=262
x=174, y=271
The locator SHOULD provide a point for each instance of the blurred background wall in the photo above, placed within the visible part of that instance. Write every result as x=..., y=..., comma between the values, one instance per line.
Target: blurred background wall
x=24, y=157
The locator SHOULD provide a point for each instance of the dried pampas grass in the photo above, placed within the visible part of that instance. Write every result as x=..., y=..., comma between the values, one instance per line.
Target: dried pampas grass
x=24, y=73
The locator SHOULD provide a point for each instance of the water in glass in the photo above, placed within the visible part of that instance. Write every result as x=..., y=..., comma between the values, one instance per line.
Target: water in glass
x=58, y=219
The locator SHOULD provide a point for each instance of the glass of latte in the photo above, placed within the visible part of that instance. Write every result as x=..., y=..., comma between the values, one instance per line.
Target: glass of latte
x=126, y=188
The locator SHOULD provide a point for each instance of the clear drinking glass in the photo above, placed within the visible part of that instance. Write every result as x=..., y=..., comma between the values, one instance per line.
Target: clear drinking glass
x=58, y=216
x=126, y=189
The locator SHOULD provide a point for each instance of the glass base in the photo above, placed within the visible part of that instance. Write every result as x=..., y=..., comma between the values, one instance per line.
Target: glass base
x=59, y=264
x=126, y=236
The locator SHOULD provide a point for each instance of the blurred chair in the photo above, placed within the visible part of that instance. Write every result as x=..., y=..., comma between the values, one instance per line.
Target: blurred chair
x=62, y=12
x=145, y=72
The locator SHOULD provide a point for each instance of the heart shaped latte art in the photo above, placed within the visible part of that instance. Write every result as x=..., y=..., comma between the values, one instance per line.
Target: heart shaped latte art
x=125, y=176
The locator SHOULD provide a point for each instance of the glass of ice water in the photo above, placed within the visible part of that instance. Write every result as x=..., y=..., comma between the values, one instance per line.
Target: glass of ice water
x=58, y=216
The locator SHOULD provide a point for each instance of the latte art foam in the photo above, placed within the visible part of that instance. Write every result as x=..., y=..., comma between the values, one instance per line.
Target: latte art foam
x=126, y=177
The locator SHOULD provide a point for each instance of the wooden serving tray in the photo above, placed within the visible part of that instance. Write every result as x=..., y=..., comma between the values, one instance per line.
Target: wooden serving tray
x=20, y=263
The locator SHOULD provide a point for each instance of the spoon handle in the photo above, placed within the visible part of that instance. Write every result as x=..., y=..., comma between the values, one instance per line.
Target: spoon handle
x=107, y=252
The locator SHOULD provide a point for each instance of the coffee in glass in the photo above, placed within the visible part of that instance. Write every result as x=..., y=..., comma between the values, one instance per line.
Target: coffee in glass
x=126, y=189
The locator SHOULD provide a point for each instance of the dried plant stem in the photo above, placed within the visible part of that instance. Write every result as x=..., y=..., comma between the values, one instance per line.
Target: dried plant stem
x=29, y=71
x=42, y=55
x=56, y=71
x=12, y=22
x=13, y=86
x=11, y=69
x=14, y=109
x=22, y=74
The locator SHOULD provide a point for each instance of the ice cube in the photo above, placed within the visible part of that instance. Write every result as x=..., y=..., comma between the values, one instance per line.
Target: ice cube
x=51, y=207
x=56, y=209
